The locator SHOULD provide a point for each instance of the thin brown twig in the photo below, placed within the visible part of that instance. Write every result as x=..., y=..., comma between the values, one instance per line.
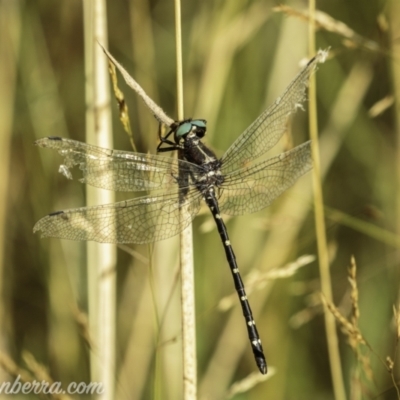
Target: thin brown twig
x=157, y=111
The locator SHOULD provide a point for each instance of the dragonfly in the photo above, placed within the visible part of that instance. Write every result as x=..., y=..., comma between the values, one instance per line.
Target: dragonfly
x=234, y=184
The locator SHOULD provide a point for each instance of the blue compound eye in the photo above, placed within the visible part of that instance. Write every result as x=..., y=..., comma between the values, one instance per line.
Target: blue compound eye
x=200, y=123
x=183, y=129
x=200, y=127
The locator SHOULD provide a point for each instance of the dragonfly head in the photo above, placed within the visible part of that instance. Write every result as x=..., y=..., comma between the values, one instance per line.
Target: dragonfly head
x=196, y=126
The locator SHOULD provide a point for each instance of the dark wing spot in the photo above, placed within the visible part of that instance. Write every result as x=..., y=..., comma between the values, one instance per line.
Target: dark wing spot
x=56, y=213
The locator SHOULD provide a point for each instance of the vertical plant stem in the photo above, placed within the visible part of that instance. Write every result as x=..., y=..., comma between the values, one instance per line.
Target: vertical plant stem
x=393, y=14
x=394, y=23
x=179, y=68
x=101, y=258
x=323, y=258
x=10, y=31
x=186, y=254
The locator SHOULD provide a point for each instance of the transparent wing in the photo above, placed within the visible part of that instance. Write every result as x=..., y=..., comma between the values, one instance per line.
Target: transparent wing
x=251, y=189
x=269, y=127
x=140, y=220
x=118, y=170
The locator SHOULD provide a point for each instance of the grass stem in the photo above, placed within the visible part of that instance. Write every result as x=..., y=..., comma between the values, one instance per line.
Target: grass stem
x=323, y=258
x=101, y=258
x=186, y=252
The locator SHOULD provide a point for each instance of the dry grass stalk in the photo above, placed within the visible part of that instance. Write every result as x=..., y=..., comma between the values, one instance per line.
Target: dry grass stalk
x=390, y=364
x=157, y=111
x=326, y=22
x=39, y=374
x=312, y=309
x=134, y=254
x=186, y=249
x=380, y=106
x=367, y=228
x=350, y=327
x=101, y=258
x=81, y=319
x=355, y=311
x=256, y=280
x=122, y=106
x=249, y=382
x=13, y=369
x=356, y=338
x=320, y=228
x=186, y=254
x=351, y=330
x=396, y=313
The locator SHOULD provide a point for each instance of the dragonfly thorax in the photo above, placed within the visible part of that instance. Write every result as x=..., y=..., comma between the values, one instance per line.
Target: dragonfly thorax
x=196, y=152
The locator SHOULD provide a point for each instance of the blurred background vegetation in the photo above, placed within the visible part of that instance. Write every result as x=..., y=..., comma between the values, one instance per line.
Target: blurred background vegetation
x=238, y=57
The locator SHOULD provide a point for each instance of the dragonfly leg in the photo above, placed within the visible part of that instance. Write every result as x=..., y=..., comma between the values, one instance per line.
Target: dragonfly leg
x=164, y=139
x=165, y=149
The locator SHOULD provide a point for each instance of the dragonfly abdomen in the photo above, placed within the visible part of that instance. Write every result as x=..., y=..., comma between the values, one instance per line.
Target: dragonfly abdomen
x=252, y=332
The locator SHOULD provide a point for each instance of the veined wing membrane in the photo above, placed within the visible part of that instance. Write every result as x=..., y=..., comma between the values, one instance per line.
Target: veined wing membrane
x=269, y=127
x=118, y=170
x=253, y=188
x=139, y=220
